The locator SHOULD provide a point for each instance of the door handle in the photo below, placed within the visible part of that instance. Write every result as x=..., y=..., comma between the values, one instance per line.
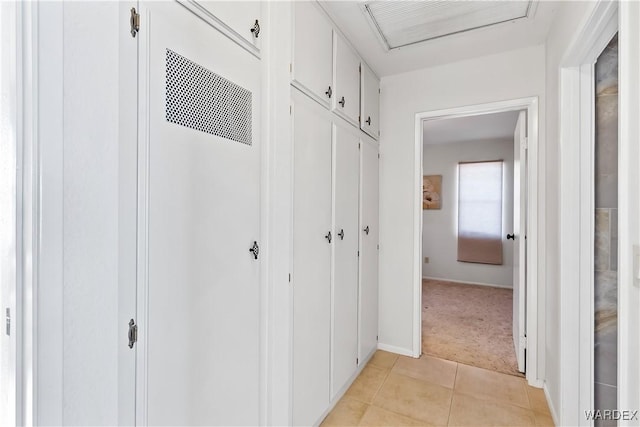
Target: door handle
x=342, y=102
x=341, y=234
x=255, y=250
x=255, y=29
x=511, y=236
x=328, y=237
x=329, y=92
x=368, y=121
x=366, y=230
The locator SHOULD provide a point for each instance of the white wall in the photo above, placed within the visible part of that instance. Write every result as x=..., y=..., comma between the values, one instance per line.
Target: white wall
x=509, y=75
x=78, y=331
x=439, y=239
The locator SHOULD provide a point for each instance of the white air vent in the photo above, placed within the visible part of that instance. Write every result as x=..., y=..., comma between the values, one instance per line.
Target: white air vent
x=202, y=100
x=402, y=23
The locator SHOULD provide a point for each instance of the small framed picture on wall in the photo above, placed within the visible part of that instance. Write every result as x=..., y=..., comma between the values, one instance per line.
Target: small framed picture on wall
x=431, y=192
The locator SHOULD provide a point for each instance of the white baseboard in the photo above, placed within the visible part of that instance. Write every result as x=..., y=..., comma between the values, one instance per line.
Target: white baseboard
x=468, y=282
x=552, y=409
x=396, y=350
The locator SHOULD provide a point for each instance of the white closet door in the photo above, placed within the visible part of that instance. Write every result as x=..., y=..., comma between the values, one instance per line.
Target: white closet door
x=346, y=179
x=312, y=51
x=370, y=100
x=346, y=101
x=368, y=322
x=199, y=210
x=312, y=240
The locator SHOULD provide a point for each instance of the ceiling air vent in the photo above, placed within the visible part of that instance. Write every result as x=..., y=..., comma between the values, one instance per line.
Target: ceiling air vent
x=403, y=23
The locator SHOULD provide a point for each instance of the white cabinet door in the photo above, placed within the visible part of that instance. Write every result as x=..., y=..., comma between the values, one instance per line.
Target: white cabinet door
x=344, y=328
x=369, y=101
x=312, y=240
x=240, y=18
x=199, y=215
x=346, y=99
x=368, y=321
x=312, y=51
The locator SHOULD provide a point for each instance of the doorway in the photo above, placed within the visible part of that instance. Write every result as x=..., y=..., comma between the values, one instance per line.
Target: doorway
x=471, y=243
x=527, y=298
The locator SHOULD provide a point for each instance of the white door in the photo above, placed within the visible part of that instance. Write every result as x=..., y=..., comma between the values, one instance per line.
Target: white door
x=199, y=187
x=346, y=167
x=312, y=240
x=370, y=96
x=346, y=101
x=519, y=233
x=312, y=51
x=368, y=312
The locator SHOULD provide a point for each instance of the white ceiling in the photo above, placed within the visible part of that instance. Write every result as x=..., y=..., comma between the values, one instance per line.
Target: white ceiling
x=350, y=18
x=471, y=128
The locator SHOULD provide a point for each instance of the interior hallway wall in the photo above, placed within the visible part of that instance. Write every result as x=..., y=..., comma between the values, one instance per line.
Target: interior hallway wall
x=79, y=335
x=509, y=75
x=439, y=238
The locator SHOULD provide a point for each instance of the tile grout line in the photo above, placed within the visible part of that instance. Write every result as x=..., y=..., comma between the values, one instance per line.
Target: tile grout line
x=453, y=390
x=383, y=381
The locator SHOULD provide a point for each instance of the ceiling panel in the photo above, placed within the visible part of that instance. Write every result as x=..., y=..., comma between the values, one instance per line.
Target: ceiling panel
x=403, y=23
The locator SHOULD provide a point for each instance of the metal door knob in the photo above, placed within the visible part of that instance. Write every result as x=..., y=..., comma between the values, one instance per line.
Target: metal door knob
x=511, y=236
x=341, y=234
x=366, y=230
x=329, y=92
x=256, y=29
x=328, y=237
x=255, y=250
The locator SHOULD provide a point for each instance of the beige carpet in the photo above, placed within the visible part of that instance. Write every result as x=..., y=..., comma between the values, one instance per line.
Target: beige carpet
x=469, y=324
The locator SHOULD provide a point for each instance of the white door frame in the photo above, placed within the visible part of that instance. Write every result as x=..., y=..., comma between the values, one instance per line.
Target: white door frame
x=577, y=125
x=577, y=138
x=534, y=313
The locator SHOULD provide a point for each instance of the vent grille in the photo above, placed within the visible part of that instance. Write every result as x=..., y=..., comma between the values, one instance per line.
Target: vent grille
x=200, y=99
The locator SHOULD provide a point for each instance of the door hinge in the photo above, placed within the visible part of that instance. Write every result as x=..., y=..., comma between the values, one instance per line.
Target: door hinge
x=290, y=67
x=8, y=320
x=376, y=338
x=525, y=143
x=357, y=361
x=133, y=333
x=289, y=277
x=290, y=109
x=358, y=145
x=358, y=253
x=359, y=119
x=360, y=68
x=378, y=247
x=378, y=155
x=135, y=22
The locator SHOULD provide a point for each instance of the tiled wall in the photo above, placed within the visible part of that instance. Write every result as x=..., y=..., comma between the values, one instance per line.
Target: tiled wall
x=606, y=228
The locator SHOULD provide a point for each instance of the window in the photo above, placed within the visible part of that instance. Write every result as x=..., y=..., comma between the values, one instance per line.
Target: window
x=480, y=212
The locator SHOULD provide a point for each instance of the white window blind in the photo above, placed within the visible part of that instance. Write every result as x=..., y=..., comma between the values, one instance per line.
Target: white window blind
x=480, y=212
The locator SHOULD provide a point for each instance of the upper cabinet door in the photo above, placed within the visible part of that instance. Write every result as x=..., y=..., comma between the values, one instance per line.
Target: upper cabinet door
x=347, y=80
x=369, y=101
x=244, y=21
x=312, y=52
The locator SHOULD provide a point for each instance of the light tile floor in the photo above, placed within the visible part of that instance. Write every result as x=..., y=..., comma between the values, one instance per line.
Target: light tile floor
x=396, y=390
